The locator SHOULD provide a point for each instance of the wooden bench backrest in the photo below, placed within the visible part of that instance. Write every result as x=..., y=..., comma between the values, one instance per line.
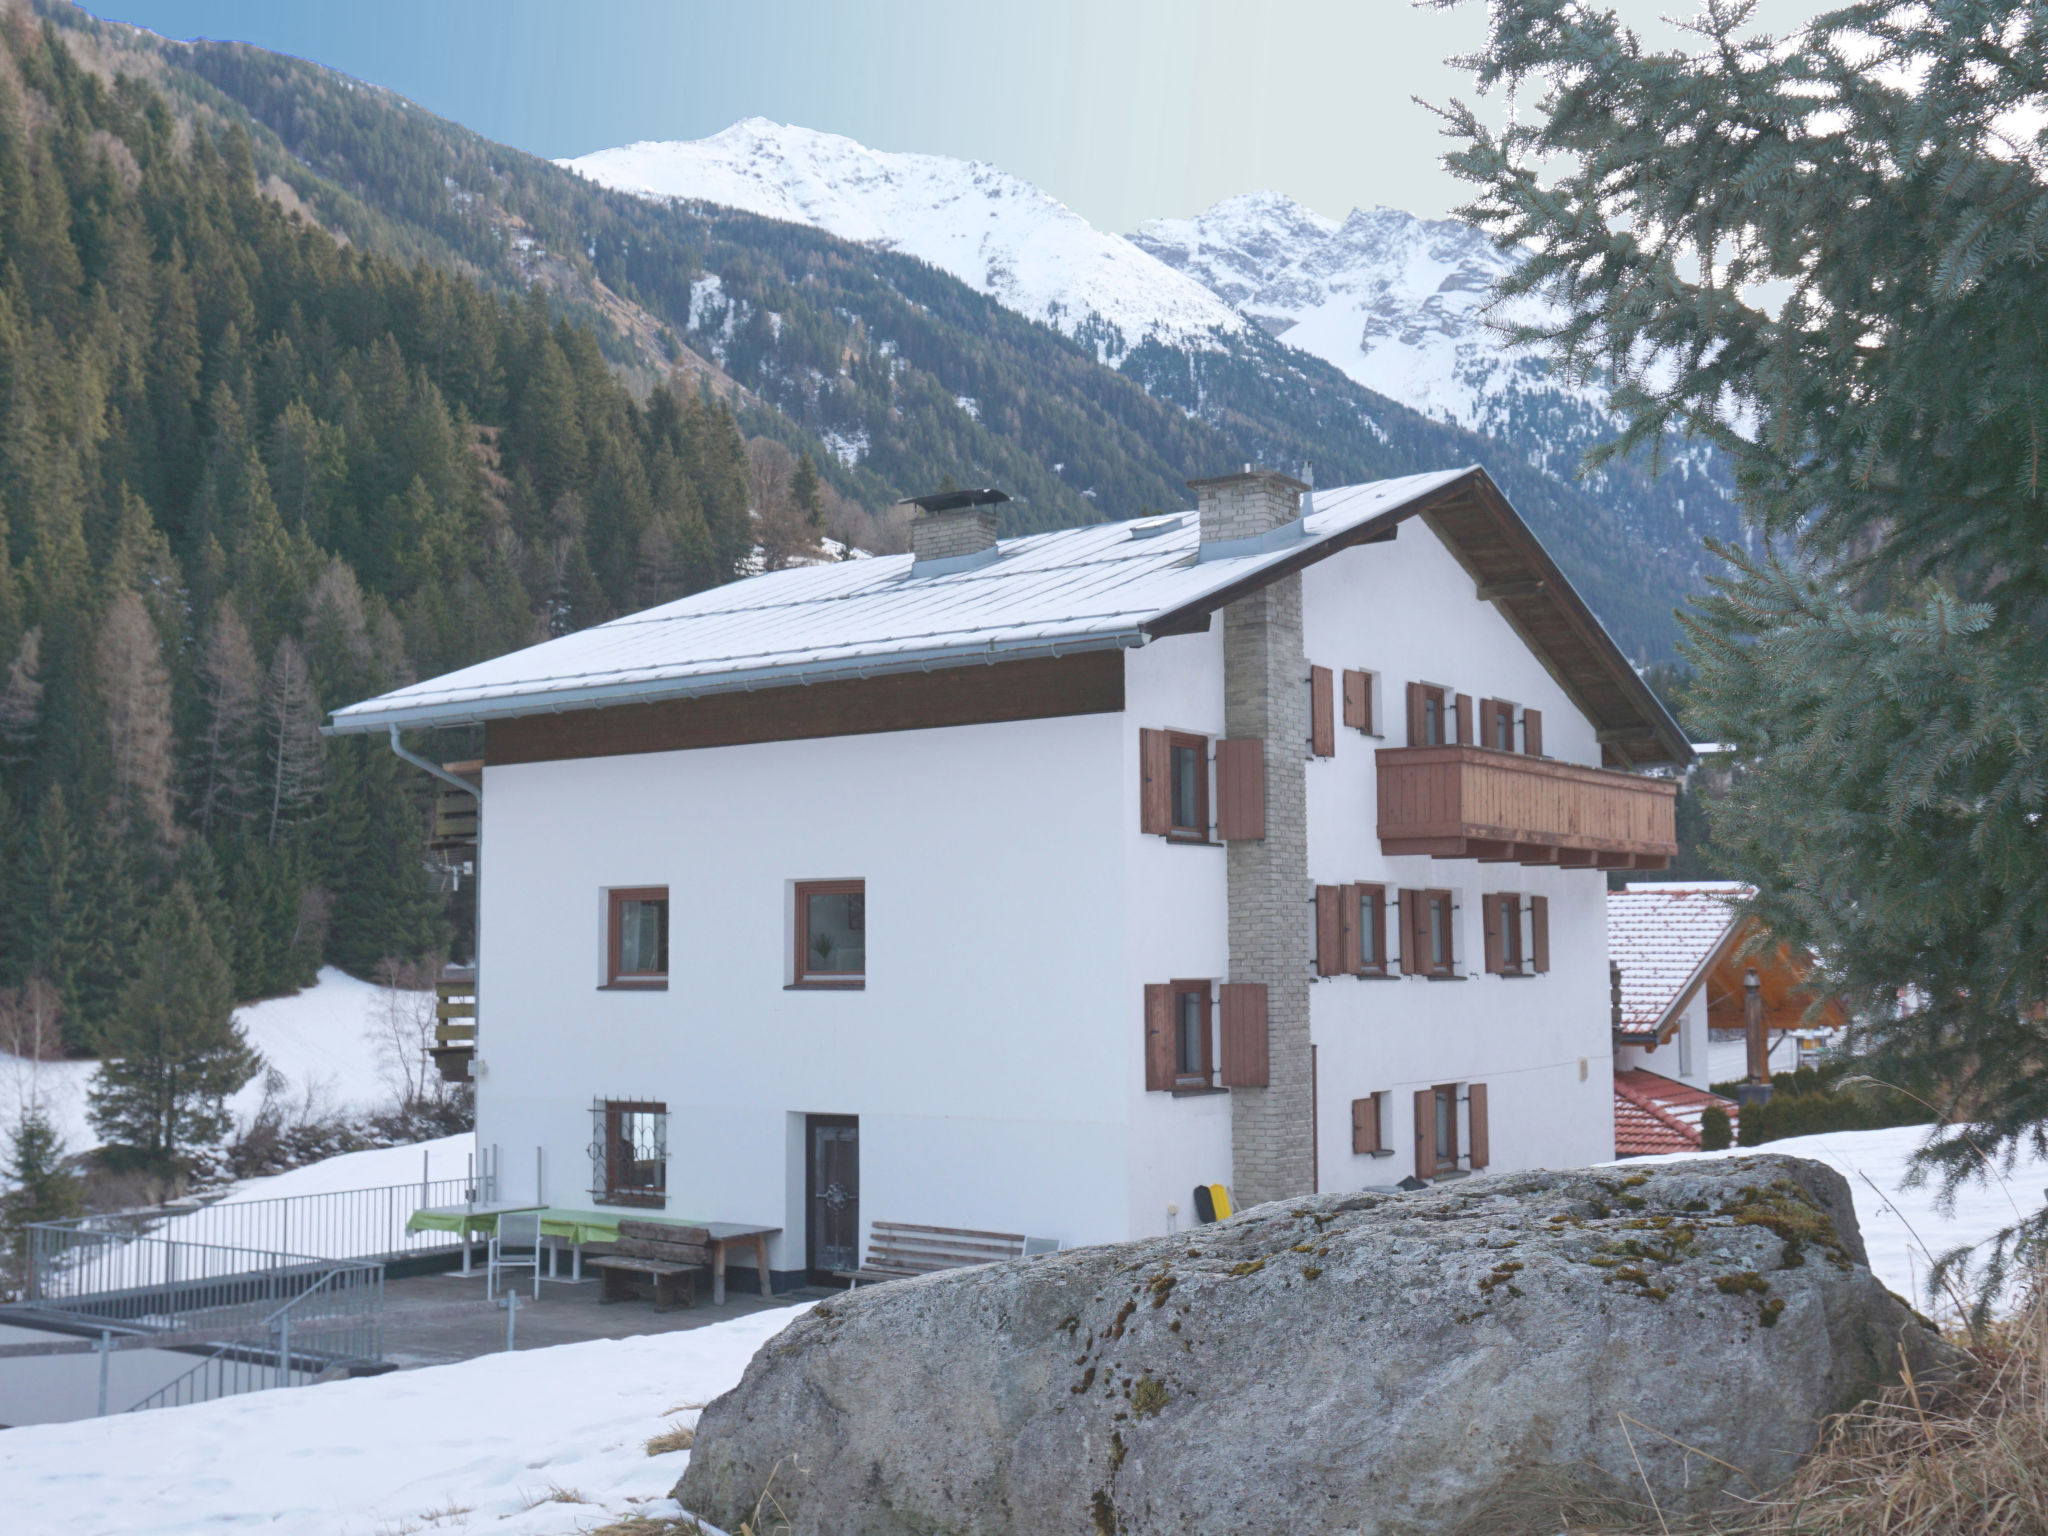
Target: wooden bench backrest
x=899, y=1245
x=657, y=1240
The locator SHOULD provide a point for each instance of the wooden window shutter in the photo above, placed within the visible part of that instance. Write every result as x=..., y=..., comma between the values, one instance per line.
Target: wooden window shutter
x=1482, y=1154
x=1414, y=920
x=1243, y=1005
x=1418, y=725
x=1350, y=951
x=1322, y=724
x=1329, y=930
x=1532, y=732
x=1358, y=701
x=1464, y=705
x=1494, y=909
x=1539, y=933
x=1425, y=1133
x=1365, y=1124
x=1241, y=789
x=1158, y=1036
x=1155, y=783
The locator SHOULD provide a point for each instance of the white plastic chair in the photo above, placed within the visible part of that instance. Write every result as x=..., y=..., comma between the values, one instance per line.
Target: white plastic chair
x=515, y=1245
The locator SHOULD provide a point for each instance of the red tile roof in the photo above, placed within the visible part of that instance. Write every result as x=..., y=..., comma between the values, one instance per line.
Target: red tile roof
x=1658, y=1114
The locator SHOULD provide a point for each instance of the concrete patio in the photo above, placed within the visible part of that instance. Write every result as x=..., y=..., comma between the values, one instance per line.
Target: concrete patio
x=419, y=1331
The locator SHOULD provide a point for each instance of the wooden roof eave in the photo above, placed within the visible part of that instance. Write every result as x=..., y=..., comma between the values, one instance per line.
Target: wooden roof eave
x=1634, y=726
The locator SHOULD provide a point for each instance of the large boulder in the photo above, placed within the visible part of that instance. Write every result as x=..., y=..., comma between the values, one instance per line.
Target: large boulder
x=1373, y=1363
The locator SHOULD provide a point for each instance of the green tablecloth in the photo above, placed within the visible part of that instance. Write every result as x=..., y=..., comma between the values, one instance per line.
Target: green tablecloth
x=577, y=1226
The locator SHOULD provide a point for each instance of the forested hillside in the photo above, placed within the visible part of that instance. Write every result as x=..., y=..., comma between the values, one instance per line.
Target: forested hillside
x=248, y=473
x=893, y=376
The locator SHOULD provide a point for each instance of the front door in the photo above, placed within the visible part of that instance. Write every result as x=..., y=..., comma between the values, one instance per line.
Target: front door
x=832, y=1194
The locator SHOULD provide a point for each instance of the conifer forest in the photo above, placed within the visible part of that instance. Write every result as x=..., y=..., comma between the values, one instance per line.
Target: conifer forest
x=249, y=473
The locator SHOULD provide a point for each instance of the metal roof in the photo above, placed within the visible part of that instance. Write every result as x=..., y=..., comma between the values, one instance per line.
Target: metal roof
x=953, y=501
x=1049, y=594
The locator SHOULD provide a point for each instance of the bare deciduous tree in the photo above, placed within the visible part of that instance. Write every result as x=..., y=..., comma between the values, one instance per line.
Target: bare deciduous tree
x=31, y=1033
x=137, y=688
x=405, y=1030
x=231, y=685
x=291, y=726
x=21, y=701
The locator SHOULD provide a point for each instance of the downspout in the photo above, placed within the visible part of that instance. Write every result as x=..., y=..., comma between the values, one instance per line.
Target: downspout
x=475, y=792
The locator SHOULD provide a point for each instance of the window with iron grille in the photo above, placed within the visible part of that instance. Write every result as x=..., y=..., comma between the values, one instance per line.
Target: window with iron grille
x=629, y=1152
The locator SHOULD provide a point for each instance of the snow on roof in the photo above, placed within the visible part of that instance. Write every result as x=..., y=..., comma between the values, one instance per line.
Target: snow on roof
x=1055, y=593
x=1663, y=934
x=1654, y=1114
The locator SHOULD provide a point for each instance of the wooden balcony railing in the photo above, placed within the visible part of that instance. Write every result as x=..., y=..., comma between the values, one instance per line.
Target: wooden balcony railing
x=1502, y=807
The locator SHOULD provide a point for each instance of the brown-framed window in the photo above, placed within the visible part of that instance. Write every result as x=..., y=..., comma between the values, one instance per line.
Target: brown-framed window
x=1194, y=1053
x=636, y=940
x=831, y=933
x=1187, y=780
x=629, y=1152
x=1444, y=1124
x=1358, y=701
x=1368, y=1128
x=1367, y=940
x=1429, y=941
x=1428, y=715
x=1502, y=913
x=1497, y=725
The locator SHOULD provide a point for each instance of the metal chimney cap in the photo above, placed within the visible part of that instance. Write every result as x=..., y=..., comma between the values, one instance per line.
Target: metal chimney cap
x=954, y=501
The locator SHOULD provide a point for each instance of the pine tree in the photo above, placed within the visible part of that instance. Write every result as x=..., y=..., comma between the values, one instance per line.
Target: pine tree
x=21, y=702
x=43, y=1187
x=1821, y=253
x=173, y=1052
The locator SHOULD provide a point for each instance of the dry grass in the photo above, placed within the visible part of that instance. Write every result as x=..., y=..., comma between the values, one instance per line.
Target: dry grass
x=1963, y=1459
x=679, y=1438
x=555, y=1493
x=650, y=1525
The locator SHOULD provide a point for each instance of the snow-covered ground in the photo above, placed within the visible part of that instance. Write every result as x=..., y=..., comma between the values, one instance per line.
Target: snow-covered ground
x=324, y=1041
x=1906, y=1229
x=542, y=1443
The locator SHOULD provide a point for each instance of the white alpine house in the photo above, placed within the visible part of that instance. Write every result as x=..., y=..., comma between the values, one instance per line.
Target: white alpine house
x=1026, y=885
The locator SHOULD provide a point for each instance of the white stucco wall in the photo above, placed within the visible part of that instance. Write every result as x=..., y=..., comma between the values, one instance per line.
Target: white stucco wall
x=1408, y=612
x=986, y=1057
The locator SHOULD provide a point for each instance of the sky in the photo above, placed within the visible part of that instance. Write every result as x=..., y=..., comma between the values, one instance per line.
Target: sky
x=1125, y=110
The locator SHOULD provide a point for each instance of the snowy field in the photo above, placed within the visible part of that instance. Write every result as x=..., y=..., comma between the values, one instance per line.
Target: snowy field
x=324, y=1041
x=544, y=1443
x=1905, y=1229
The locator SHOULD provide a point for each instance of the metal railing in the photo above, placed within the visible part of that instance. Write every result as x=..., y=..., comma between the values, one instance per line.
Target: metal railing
x=271, y=1318
x=340, y=1224
x=335, y=1322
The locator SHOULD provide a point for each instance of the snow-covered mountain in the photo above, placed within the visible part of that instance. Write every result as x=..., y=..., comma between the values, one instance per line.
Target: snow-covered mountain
x=1393, y=300
x=1293, y=334
x=994, y=232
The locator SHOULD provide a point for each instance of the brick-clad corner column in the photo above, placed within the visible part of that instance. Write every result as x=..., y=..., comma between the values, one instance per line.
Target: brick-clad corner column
x=1271, y=932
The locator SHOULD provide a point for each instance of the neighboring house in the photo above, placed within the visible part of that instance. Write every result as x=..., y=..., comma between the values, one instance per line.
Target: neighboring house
x=1680, y=952
x=1025, y=885
x=1657, y=1114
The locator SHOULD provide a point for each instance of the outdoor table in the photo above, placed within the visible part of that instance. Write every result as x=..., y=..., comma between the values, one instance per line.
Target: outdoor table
x=580, y=1227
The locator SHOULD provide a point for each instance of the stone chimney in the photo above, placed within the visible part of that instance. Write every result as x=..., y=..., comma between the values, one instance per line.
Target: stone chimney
x=1252, y=508
x=953, y=531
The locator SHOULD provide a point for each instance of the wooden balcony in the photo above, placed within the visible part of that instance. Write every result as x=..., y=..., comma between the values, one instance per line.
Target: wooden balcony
x=1504, y=808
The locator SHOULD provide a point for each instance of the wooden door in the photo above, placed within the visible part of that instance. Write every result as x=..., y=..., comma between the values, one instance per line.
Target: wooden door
x=832, y=1195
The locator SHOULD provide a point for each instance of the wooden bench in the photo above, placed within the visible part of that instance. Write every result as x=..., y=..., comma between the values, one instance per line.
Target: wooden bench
x=653, y=1255
x=898, y=1250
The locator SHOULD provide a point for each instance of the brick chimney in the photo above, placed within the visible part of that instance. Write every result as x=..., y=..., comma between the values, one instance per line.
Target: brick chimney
x=1245, y=512
x=953, y=531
